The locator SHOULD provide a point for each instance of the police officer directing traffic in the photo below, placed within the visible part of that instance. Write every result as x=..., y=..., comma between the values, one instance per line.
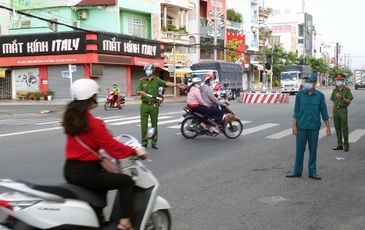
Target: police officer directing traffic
x=148, y=89
x=341, y=98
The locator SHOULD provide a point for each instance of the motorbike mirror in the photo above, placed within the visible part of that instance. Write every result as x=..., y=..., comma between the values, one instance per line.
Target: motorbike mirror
x=151, y=133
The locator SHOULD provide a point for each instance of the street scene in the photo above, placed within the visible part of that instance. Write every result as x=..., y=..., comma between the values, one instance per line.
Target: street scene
x=191, y=114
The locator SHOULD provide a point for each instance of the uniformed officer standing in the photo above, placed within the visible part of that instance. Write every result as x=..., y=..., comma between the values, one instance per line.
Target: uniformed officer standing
x=309, y=106
x=341, y=98
x=148, y=89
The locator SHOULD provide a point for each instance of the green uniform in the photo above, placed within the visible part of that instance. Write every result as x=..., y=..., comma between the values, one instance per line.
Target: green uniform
x=340, y=115
x=149, y=106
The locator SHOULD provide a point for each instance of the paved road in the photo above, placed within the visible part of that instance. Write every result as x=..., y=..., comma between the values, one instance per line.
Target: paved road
x=215, y=183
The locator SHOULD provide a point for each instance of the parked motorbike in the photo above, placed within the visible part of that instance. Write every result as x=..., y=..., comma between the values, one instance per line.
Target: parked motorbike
x=109, y=101
x=231, y=125
x=66, y=206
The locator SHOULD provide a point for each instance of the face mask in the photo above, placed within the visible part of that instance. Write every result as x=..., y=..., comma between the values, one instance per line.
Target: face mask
x=308, y=85
x=148, y=72
x=339, y=83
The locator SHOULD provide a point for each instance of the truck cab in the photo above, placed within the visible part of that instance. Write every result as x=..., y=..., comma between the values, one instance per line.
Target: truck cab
x=291, y=82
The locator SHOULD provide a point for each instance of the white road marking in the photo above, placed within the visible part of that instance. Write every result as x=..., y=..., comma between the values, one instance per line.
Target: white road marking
x=163, y=122
x=137, y=121
x=174, y=127
x=47, y=123
x=281, y=134
x=258, y=128
x=29, y=131
x=122, y=119
x=322, y=132
x=245, y=122
x=356, y=135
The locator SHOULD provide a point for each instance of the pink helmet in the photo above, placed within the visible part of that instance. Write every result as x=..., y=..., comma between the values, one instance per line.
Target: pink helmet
x=207, y=77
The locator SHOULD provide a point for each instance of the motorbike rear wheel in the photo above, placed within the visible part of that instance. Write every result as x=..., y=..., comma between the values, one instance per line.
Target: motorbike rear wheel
x=107, y=106
x=160, y=219
x=233, y=129
x=188, y=127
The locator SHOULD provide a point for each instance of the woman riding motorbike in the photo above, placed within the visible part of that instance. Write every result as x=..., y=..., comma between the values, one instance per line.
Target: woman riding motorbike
x=82, y=167
x=208, y=96
x=197, y=104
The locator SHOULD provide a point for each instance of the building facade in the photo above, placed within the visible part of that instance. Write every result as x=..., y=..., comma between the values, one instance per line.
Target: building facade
x=117, y=39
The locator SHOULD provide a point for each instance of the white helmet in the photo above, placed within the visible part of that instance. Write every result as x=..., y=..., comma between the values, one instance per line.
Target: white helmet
x=84, y=89
x=196, y=80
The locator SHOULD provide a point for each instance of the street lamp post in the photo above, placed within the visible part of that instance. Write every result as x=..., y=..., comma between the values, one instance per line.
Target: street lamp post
x=174, y=64
x=271, y=69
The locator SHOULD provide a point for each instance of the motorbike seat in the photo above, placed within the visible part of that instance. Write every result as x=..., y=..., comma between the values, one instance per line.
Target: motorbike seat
x=70, y=191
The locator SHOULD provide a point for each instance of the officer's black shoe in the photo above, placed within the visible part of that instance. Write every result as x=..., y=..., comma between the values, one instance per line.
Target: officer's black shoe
x=291, y=175
x=346, y=149
x=154, y=147
x=338, y=148
x=315, y=177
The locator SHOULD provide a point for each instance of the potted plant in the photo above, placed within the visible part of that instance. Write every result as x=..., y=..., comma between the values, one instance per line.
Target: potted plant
x=50, y=94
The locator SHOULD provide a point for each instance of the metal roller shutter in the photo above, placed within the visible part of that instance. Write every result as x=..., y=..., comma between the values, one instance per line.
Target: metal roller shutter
x=137, y=73
x=112, y=74
x=61, y=85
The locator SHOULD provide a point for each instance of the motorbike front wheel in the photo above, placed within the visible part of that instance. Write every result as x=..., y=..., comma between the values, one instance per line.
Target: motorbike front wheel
x=107, y=106
x=233, y=129
x=160, y=219
x=189, y=127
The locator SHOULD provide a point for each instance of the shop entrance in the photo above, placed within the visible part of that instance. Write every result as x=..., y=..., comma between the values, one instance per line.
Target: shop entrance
x=5, y=85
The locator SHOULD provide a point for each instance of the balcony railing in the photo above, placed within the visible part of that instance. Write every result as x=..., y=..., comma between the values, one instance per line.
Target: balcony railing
x=179, y=36
x=234, y=25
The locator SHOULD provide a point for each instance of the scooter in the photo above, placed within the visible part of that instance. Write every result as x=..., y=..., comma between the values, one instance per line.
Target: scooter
x=109, y=101
x=66, y=206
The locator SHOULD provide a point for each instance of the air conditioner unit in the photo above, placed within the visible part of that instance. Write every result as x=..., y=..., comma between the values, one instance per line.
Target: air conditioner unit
x=82, y=14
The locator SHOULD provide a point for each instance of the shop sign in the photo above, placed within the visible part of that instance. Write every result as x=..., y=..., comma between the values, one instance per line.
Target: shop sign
x=180, y=58
x=42, y=44
x=123, y=46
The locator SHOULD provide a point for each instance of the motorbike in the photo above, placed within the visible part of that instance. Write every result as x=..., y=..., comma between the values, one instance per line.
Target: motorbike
x=65, y=206
x=109, y=101
x=231, y=125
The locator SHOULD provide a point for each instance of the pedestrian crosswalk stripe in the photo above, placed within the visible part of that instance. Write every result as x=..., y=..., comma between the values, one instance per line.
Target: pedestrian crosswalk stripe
x=258, y=128
x=322, y=132
x=356, y=135
x=164, y=122
x=136, y=121
x=281, y=134
x=47, y=123
x=245, y=122
x=29, y=131
x=106, y=118
x=121, y=119
x=174, y=127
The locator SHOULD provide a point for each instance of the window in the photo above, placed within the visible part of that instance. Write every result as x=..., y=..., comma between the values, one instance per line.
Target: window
x=192, y=47
x=25, y=24
x=300, y=30
x=169, y=20
x=137, y=26
x=275, y=40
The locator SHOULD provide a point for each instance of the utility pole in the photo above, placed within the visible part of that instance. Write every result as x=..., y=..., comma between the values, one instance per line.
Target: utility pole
x=337, y=51
x=174, y=64
x=215, y=30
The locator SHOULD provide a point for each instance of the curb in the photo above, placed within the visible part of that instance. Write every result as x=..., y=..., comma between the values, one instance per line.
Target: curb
x=131, y=101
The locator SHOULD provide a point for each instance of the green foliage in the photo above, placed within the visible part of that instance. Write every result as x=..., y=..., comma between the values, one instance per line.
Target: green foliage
x=171, y=27
x=50, y=92
x=164, y=28
x=232, y=54
x=318, y=65
x=234, y=16
x=275, y=83
x=339, y=70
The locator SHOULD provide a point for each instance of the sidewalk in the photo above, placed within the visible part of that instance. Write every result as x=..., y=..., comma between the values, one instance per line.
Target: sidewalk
x=129, y=101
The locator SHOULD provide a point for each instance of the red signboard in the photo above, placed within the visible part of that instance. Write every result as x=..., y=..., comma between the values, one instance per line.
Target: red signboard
x=241, y=49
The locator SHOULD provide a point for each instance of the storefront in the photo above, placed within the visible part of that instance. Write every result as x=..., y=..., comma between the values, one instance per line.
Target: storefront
x=40, y=63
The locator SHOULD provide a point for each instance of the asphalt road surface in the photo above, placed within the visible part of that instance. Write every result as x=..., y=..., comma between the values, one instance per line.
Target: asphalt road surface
x=215, y=183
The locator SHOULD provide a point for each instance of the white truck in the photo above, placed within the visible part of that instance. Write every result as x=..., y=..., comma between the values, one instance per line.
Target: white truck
x=291, y=78
x=359, y=79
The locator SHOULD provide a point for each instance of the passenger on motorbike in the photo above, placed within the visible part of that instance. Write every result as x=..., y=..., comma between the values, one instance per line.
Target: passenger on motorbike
x=208, y=96
x=82, y=167
x=116, y=92
x=197, y=104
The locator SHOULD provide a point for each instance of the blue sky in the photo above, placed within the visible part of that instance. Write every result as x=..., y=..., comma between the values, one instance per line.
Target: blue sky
x=341, y=21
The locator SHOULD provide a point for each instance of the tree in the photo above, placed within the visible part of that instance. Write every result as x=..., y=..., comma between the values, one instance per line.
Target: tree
x=232, y=54
x=233, y=16
x=318, y=65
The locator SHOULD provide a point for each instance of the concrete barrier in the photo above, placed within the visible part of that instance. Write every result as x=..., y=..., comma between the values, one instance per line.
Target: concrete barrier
x=263, y=98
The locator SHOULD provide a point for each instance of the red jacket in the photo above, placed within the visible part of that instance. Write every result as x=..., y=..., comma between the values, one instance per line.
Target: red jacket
x=97, y=137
